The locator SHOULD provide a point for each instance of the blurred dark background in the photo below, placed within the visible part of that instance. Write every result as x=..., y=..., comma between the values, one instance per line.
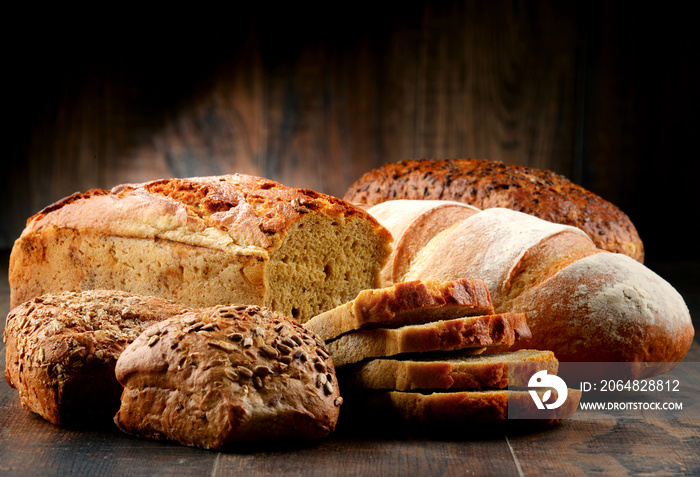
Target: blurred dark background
x=315, y=94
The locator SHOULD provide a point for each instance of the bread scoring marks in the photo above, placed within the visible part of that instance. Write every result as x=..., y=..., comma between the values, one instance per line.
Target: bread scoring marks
x=617, y=289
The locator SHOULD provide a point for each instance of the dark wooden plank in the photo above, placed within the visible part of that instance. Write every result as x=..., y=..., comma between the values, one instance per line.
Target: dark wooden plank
x=639, y=126
x=615, y=446
x=343, y=101
x=4, y=291
x=493, y=84
x=32, y=446
x=309, y=104
x=577, y=87
x=575, y=447
x=611, y=447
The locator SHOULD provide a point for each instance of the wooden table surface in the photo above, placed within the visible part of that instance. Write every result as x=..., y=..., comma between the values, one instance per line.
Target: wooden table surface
x=33, y=447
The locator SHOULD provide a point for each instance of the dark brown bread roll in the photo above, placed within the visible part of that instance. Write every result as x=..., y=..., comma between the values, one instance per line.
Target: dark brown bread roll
x=61, y=350
x=486, y=184
x=228, y=374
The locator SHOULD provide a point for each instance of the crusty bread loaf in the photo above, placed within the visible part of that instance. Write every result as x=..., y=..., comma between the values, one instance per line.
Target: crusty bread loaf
x=468, y=332
x=450, y=371
x=202, y=242
x=402, y=304
x=61, y=350
x=490, y=406
x=485, y=184
x=581, y=302
x=227, y=374
x=415, y=222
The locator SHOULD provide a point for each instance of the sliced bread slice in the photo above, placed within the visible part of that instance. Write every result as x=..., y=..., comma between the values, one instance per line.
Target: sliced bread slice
x=492, y=406
x=453, y=371
x=468, y=332
x=402, y=304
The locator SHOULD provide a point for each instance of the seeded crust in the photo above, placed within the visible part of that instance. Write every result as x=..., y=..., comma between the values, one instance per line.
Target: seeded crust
x=249, y=239
x=488, y=371
x=227, y=374
x=61, y=350
x=468, y=332
x=485, y=184
x=490, y=406
x=407, y=303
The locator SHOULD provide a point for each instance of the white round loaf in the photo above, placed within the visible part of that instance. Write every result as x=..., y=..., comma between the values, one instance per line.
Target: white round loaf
x=583, y=303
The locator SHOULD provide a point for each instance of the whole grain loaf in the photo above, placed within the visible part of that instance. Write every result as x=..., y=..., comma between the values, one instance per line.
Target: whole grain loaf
x=204, y=241
x=485, y=184
x=61, y=351
x=228, y=374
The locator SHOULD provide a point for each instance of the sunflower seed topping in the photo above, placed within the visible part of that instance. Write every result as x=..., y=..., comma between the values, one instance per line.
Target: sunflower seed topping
x=245, y=372
x=270, y=351
x=262, y=371
x=287, y=341
x=224, y=345
x=328, y=388
x=235, y=336
x=284, y=349
x=320, y=367
x=230, y=374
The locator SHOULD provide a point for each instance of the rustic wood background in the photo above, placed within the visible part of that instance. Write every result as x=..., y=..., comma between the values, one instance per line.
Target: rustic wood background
x=605, y=93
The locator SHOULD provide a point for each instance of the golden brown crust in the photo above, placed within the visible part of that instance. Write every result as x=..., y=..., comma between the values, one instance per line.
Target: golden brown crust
x=485, y=184
x=61, y=350
x=581, y=302
x=251, y=240
x=491, y=246
x=406, y=303
x=450, y=371
x=255, y=211
x=228, y=374
x=413, y=224
x=609, y=308
x=469, y=332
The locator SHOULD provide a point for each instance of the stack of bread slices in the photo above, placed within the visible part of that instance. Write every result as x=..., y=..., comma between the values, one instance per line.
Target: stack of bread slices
x=434, y=351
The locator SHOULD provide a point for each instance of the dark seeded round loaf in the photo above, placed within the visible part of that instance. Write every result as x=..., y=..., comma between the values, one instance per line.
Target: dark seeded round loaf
x=486, y=184
x=61, y=350
x=228, y=374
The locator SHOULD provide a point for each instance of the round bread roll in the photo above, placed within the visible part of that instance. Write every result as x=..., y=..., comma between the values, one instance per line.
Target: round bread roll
x=61, y=350
x=227, y=374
